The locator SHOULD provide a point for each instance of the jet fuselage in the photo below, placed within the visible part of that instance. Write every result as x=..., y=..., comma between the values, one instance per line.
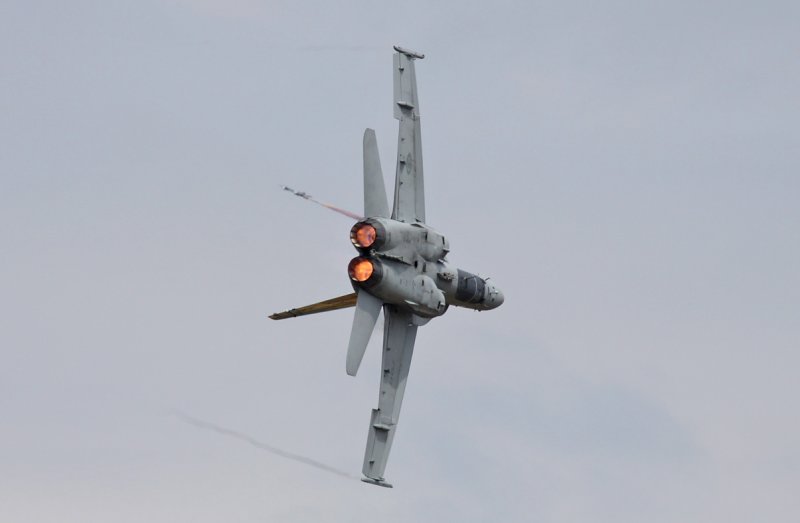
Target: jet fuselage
x=405, y=265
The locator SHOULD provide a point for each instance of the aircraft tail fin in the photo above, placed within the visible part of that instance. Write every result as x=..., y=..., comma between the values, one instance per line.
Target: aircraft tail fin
x=375, y=201
x=368, y=308
x=341, y=302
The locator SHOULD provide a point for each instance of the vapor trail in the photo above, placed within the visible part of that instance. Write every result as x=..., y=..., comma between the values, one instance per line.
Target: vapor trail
x=263, y=446
x=304, y=195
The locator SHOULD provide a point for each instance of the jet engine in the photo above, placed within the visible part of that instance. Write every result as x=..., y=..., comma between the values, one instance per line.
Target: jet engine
x=365, y=271
x=403, y=240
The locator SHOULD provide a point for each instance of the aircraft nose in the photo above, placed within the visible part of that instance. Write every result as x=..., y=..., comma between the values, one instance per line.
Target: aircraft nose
x=494, y=297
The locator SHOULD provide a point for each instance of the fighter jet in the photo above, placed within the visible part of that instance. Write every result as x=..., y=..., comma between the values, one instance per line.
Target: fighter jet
x=401, y=269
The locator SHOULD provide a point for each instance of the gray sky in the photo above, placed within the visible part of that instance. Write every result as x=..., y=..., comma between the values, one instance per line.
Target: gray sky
x=627, y=172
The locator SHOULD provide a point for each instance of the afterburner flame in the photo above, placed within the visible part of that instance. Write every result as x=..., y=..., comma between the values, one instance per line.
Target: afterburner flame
x=360, y=269
x=363, y=235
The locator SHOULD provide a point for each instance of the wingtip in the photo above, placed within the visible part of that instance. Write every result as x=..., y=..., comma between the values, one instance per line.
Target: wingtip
x=409, y=52
x=379, y=482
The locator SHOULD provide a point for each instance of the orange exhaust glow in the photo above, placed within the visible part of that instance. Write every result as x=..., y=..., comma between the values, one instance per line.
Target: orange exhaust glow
x=360, y=269
x=364, y=235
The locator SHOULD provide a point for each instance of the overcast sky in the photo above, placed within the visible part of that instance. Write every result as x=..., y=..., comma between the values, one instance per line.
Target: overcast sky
x=627, y=172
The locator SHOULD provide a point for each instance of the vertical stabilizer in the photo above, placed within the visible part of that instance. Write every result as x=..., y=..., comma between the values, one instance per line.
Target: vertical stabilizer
x=368, y=307
x=375, y=202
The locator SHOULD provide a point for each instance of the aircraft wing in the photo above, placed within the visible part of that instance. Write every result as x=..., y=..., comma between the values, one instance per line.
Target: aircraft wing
x=398, y=346
x=409, y=191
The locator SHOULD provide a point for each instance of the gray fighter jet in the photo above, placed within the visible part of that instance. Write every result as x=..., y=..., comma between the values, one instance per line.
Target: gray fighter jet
x=401, y=268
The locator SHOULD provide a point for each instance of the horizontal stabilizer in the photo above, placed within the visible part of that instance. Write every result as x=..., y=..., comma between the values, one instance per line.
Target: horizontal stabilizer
x=368, y=307
x=342, y=302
